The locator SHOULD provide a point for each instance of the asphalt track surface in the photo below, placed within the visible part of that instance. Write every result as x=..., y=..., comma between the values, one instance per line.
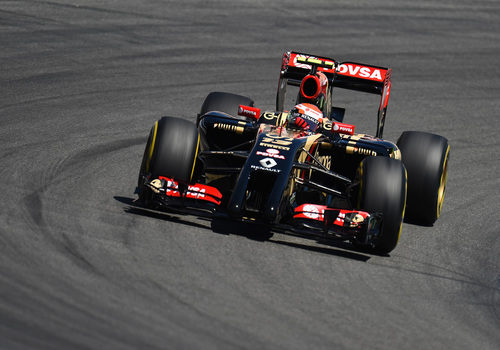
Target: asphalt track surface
x=83, y=81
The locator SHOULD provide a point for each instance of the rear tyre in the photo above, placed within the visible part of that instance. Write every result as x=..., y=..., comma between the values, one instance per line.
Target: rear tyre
x=224, y=102
x=383, y=190
x=425, y=157
x=171, y=151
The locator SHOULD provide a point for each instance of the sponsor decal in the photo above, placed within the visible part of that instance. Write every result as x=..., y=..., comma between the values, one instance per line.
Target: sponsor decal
x=340, y=219
x=312, y=212
x=247, y=111
x=346, y=68
x=229, y=127
x=256, y=167
x=195, y=191
x=171, y=187
x=327, y=124
x=268, y=162
x=296, y=58
x=363, y=72
x=264, y=144
x=274, y=118
x=359, y=150
x=277, y=140
x=343, y=128
x=270, y=152
x=326, y=161
x=270, y=116
x=344, y=218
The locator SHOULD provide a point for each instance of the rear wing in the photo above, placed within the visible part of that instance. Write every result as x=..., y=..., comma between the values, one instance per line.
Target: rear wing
x=347, y=75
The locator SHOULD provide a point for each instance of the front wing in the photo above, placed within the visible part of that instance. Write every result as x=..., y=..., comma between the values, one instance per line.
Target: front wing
x=307, y=219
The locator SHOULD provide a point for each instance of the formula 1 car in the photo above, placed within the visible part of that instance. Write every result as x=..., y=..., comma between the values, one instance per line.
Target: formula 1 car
x=302, y=171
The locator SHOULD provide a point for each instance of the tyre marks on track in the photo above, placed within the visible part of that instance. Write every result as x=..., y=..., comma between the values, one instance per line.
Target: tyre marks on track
x=45, y=180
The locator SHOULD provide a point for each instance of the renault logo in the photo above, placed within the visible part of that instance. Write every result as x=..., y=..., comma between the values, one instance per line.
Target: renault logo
x=268, y=162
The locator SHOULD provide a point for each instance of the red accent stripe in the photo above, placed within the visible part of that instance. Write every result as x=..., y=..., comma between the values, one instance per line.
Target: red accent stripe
x=317, y=212
x=195, y=191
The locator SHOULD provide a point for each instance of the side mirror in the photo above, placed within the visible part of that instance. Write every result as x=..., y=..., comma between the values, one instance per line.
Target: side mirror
x=341, y=128
x=250, y=112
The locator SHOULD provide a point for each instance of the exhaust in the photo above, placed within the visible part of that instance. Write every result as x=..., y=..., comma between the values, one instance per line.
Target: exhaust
x=310, y=87
x=313, y=85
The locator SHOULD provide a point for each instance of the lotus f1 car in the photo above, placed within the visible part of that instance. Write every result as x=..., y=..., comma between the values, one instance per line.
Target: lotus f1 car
x=303, y=171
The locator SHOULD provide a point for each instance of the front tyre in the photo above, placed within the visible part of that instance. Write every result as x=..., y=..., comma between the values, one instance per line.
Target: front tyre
x=171, y=151
x=425, y=157
x=383, y=190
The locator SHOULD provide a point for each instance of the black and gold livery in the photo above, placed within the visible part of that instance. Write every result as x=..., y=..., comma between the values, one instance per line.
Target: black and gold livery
x=265, y=171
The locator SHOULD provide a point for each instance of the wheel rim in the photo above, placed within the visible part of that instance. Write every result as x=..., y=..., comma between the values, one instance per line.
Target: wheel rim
x=152, y=147
x=195, y=157
x=442, y=184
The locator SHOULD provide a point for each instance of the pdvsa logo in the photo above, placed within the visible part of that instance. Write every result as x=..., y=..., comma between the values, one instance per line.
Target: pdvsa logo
x=360, y=71
x=248, y=111
x=270, y=152
x=312, y=212
x=343, y=128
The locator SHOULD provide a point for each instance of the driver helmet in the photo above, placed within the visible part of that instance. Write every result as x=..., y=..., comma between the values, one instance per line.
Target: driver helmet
x=305, y=116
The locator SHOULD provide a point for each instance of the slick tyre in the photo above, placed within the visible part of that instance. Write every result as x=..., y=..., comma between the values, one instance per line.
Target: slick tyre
x=224, y=102
x=383, y=190
x=171, y=151
x=425, y=157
